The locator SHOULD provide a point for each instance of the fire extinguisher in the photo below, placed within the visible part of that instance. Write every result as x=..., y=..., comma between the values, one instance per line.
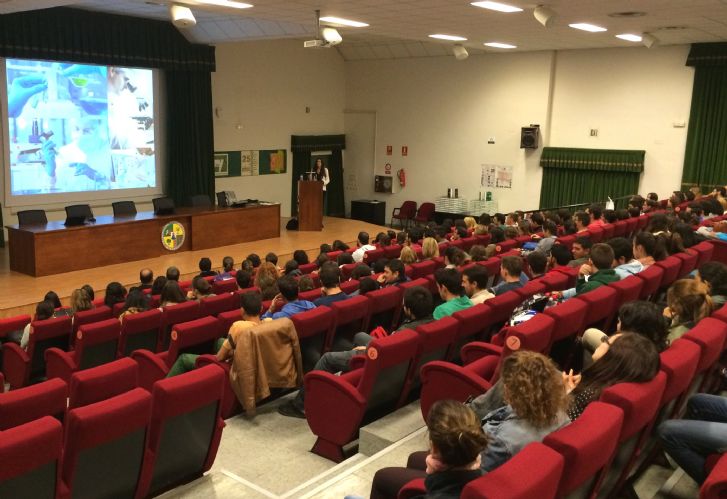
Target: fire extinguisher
x=401, y=174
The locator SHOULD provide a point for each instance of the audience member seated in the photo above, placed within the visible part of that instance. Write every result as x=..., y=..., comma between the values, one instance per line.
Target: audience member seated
x=171, y=295
x=511, y=268
x=266, y=280
x=243, y=278
x=500, y=220
x=474, y=282
x=158, y=285
x=702, y=432
x=200, y=289
x=536, y=405
x=330, y=276
x=80, y=301
x=379, y=265
x=228, y=267
x=251, y=306
x=291, y=269
x=360, y=271
x=550, y=231
x=453, y=257
x=305, y=283
x=648, y=249
x=470, y=223
x=301, y=257
x=581, y=251
x=478, y=253
x=136, y=301
x=430, y=248
x=582, y=220
x=363, y=246
x=326, y=248
x=408, y=256
x=449, y=285
x=146, y=278
x=538, y=263
x=59, y=310
x=560, y=256
x=366, y=285
x=524, y=228
x=595, y=212
x=339, y=245
x=286, y=303
x=623, y=358
x=344, y=259
x=321, y=259
x=115, y=293
x=511, y=232
x=688, y=302
x=717, y=231
x=205, y=268
x=417, y=307
x=623, y=253
x=43, y=311
x=714, y=275
x=393, y=275
x=609, y=216
x=598, y=271
x=89, y=291
x=255, y=259
x=172, y=274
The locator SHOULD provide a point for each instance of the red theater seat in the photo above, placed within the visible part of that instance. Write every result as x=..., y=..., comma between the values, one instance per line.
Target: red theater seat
x=715, y=486
x=351, y=317
x=652, y=277
x=140, y=331
x=314, y=327
x=385, y=308
x=23, y=405
x=423, y=269
x=221, y=286
x=90, y=316
x=103, y=382
x=215, y=305
x=445, y=380
x=14, y=325
x=603, y=303
x=176, y=314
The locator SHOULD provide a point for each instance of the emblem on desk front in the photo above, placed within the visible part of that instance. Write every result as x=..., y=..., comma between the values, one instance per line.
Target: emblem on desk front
x=173, y=236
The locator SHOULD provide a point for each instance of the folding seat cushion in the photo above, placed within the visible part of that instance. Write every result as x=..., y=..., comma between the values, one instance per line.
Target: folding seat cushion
x=140, y=331
x=535, y=471
x=587, y=445
x=22, y=367
x=185, y=429
x=12, y=327
x=31, y=455
x=715, y=486
x=422, y=269
x=104, y=446
x=103, y=382
x=351, y=317
x=221, y=286
x=176, y=314
x=314, y=327
x=25, y=404
x=652, y=277
x=385, y=308
x=96, y=344
x=97, y=314
x=444, y=380
x=336, y=406
x=215, y=305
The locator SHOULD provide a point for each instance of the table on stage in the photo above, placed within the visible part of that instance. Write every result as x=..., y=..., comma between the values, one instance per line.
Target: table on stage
x=53, y=248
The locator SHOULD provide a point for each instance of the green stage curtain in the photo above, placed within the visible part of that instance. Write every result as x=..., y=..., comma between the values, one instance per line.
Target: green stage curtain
x=301, y=147
x=705, y=157
x=73, y=35
x=572, y=176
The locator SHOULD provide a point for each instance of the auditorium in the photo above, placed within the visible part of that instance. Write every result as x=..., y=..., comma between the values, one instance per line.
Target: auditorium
x=363, y=249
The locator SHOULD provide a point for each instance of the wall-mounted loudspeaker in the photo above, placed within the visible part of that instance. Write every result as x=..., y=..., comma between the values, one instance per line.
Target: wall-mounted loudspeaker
x=529, y=137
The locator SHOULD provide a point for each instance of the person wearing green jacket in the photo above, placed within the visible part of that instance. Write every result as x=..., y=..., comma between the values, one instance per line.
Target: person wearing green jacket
x=598, y=271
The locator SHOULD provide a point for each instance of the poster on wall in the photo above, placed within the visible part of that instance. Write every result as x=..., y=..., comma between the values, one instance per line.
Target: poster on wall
x=496, y=176
x=227, y=164
x=250, y=163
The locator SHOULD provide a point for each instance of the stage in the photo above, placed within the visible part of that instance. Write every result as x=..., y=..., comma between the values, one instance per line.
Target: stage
x=19, y=293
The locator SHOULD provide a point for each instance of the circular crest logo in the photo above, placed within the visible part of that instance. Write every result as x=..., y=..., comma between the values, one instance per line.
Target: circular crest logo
x=173, y=236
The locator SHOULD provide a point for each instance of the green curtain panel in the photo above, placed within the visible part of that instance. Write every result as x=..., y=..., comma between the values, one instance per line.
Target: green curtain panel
x=563, y=187
x=612, y=160
x=302, y=146
x=705, y=157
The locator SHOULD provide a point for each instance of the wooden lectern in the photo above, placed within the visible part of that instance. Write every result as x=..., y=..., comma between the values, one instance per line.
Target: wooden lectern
x=310, y=205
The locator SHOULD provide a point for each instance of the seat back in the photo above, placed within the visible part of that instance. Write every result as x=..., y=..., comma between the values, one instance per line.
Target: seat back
x=314, y=328
x=414, y=282
x=608, y=230
x=349, y=286
x=679, y=362
x=107, y=435
x=446, y=380
x=628, y=289
x=31, y=454
x=79, y=210
x=50, y=333
x=103, y=382
x=385, y=308
x=531, y=289
x=535, y=471
x=567, y=240
x=97, y=314
x=25, y=404
x=501, y=308
x=307, y=268
x=474, y=322
x=602, y=306
x=587, y=445
x=689, y=262
x=351, y=318
x=425, y=212
x=97, y=343
x=715, y=486
x=176, y=314
x=652, y=277
x=620, y=228
x=14, y=325
x=32, y=217
x=371, y=257
x=705, y=250
x=200, y=200
x=228, y=318
x=631, y=225
x=534, y=334
x=124, y=208
x=437, y=341
x=595, y=234
x=140, y=331
x=671, y=265
x=408, y=210
x=422, y=269
x=555, y=281
x=214, y=305
x=198, y=337
x=163, y=205
x=185, y=428
x=710, y=334
x=569, y=318
x=346, y=270
x=392, y=251
x=221, y=286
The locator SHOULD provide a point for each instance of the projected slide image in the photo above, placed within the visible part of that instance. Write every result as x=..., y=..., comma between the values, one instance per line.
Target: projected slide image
x=75, y=127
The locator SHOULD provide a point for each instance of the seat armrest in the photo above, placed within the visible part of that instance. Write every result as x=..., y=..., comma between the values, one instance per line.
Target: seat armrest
x=478, y=349
x=152, y=368
x=333, y=407
x=60, y=364
x=357, y=361
x=16, y=365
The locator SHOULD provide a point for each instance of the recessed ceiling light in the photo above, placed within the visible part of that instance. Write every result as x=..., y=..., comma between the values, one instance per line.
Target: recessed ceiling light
x=499, y=45
x=343, y=22
x=452, y=38
x=629, y=37
x=587, y=27
x=226, y=3
x=500, y=7
x=627, y=14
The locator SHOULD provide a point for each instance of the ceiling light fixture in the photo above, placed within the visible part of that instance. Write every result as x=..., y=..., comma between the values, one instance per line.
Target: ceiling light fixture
x=460, y=53
x=343, y=22
x=499, y=45
x=544, y=15
x=649, y=40
x=588, y=27
x=331, y=35
x=451, y=38
x=500, y=7
x=182, y=17
x=226, y=3
x=629, y=37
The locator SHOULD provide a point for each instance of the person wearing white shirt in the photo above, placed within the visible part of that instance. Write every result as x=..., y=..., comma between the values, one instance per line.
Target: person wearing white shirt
x=320, y=172
x=363, y=247
x=474, y=282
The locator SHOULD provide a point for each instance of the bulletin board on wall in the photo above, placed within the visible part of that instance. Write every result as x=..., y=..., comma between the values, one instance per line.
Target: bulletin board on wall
x=250, y=163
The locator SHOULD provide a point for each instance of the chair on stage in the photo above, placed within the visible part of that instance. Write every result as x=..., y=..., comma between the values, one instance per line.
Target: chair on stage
x=404, y=214
x=163, y=206
x=32, y=217
x=200, y=201
x=79, y=211
x=124, y=208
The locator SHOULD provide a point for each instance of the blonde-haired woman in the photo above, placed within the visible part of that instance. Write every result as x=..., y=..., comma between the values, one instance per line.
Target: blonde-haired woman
x=470, y=223
x=430, y=248
x=80, y=301
x=688, y=302
x=407, y=256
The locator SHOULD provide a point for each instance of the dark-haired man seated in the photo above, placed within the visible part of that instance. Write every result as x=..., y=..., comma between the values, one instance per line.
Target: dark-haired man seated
x=449, y=285
x=205, y=268
x=511, y=268
x=394, y=273
x=418, y=305
x=330, y=276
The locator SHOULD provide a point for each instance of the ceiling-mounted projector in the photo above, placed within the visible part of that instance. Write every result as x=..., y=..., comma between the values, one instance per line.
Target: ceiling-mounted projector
x=182, y=17
x=327, y=37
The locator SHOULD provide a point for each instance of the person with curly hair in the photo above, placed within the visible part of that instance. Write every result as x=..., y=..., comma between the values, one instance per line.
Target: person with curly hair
x=688, y=302
x=266, y=279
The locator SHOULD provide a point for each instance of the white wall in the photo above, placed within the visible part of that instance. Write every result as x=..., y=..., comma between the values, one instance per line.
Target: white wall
x=265, y=88
x=445, y=110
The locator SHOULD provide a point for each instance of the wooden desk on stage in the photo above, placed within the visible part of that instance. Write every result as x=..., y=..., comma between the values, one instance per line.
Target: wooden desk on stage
x=54, y=248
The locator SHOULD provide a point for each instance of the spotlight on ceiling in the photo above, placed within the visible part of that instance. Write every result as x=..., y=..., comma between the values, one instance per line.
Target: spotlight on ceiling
x=331, y=35
x=182, y=17
x=460, y=53
x=544, y=15
x=649, y=40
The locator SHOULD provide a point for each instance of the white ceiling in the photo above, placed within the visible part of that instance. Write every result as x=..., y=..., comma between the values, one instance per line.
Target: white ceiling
x=399, y=28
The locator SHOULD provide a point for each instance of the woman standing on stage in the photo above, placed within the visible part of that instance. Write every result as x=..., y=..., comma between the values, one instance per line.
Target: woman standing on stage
x=320, y=172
